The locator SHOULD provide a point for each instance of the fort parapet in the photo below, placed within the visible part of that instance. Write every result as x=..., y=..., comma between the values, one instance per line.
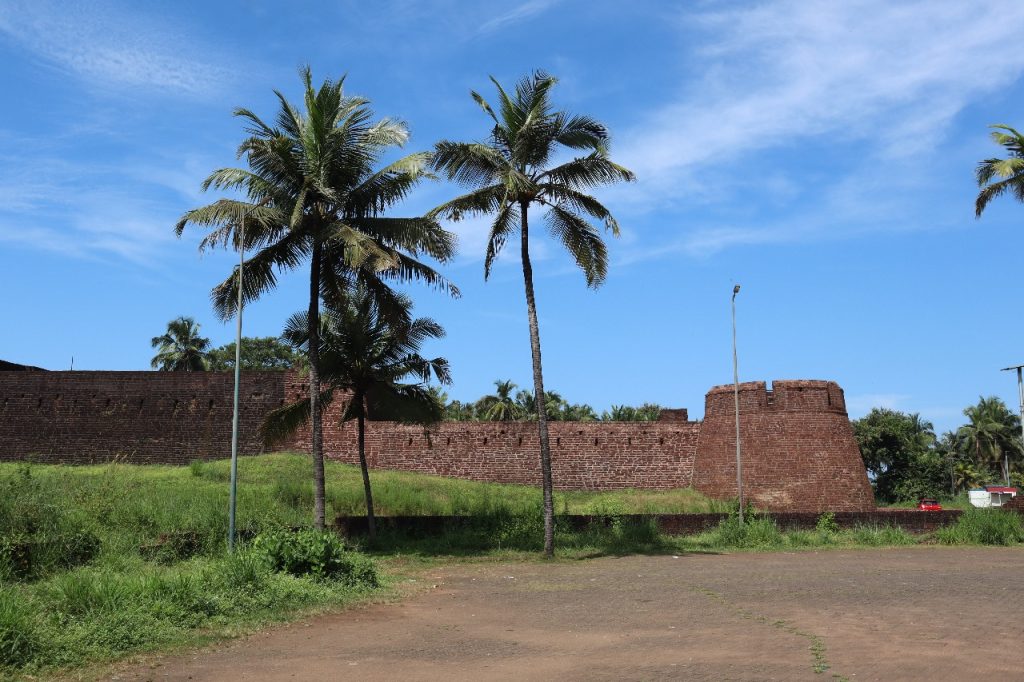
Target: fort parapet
x=799, y=453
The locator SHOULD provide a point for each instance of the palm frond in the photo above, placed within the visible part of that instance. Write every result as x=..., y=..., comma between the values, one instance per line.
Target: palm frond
x=588, y=171
x=468, y=163
x=412, y=235
x=505, y=224
x=260, y=273
x=478, y=202
x=578, y=201
x=583, y=243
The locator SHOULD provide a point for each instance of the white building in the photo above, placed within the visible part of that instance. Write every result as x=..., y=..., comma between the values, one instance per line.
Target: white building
x=992, y=496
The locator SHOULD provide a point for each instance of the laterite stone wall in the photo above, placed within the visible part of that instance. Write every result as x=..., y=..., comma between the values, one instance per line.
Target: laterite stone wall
x=798, y=445
x=141, y=417
x=584, y=455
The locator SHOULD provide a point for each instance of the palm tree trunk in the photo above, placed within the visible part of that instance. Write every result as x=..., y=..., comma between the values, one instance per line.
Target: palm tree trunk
x=316, y=417
x=538, y=389
x=371, y=523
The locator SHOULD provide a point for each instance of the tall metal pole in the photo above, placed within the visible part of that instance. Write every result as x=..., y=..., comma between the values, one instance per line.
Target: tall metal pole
x=736, y=396
x=238, y=376
x=1020, y=391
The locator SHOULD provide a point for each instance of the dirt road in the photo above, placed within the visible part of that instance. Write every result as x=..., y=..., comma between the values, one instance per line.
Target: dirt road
x=915, y=614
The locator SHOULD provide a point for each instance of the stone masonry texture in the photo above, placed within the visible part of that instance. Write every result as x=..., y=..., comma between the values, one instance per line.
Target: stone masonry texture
x=799, y=454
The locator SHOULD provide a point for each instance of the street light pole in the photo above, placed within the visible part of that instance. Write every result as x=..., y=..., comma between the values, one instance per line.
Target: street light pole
x=736, y=397
x=1020, y=391
x=238, y=375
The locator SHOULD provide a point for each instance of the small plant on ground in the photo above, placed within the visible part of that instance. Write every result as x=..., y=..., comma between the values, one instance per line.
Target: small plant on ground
x=827, y=524
x=318, y=554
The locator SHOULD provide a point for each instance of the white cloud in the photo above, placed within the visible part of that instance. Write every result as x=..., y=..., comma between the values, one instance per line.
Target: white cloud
x=789, y=70
x=515, y=15
x=870, y=86
x=110, y=46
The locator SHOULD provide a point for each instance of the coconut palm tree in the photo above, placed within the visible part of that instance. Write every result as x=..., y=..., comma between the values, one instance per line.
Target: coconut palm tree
x=998, y=176
x=512, y=172
x=501, y=406
x=365, y=356
x=315, y=195
x=992, y=434
x=181, y=348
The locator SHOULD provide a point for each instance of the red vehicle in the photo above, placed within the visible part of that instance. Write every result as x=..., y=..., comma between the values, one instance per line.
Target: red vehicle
x=928, y=504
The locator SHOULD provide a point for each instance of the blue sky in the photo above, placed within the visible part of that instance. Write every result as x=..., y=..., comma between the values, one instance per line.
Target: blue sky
x=820, y=154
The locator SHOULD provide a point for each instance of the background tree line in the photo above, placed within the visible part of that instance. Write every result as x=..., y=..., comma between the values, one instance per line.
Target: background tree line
x=507, y=404
x=906, y=460
x=183, y=348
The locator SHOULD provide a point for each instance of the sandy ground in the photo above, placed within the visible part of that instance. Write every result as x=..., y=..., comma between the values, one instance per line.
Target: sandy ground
x=908, y=614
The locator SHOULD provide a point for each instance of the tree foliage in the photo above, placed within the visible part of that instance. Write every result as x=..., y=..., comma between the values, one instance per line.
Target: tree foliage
x=258, y=353
x=316, y=192
x=513, y=171
x=998, y=176
x=905, y=460
x=991, y=434
x=897, y=449
x=367, y=359
x=507, y=404
x=181, y=348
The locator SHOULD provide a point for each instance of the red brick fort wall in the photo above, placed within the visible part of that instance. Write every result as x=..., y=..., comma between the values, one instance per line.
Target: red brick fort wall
x=798, y=445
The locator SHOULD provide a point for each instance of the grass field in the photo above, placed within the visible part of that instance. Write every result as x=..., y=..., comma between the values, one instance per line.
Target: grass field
x=101, y=561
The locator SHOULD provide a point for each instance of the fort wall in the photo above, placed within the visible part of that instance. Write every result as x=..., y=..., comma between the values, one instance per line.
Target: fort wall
x=799, y=451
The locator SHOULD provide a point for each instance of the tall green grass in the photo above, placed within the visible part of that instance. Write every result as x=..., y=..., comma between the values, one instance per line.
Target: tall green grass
x=984, y=527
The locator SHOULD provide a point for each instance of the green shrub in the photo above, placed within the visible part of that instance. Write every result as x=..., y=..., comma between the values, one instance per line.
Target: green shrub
x=318, y=554
x=827, y=524
x=24, y=557
x=19, y=638
x=984, y=527
x=246, y=569
x=752, y=532
x=85, y=592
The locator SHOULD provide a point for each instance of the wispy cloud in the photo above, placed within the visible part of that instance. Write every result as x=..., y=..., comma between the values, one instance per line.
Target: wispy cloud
x=864, y=70
x=870, y=87
x=88, y=209
x=110, y=46
x=515, y=15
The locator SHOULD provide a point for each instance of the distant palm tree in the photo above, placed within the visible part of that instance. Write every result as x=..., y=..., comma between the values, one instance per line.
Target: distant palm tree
x=992, y=434
x=315, y=193
x=501, y=406
x=554, y=405
x=511, y=172
x=181, y=349
x=997, y=176
x=366, y=355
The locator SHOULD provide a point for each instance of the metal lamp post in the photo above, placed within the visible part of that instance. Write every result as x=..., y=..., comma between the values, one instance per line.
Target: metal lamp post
x=1020, y=391
x=736, y=397
x=238, y=376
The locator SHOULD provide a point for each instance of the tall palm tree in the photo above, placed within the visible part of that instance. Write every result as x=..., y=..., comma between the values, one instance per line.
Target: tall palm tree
x=998, y=176
x=512, y=172
x=181, y=348
x=315, y=195
x=992, y=434
x=365, y=355
x=501, y=406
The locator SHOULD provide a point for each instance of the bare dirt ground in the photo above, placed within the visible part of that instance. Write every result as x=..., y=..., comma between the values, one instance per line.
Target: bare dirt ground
x=889, y=614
